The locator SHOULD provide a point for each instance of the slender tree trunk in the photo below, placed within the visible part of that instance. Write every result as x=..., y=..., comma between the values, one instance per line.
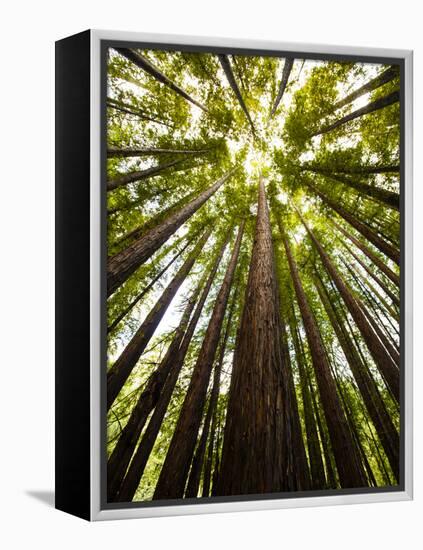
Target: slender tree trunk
x=384, y=362
x=124, y=263
x=139, y=462
x=348, y=465
x=145, y=290
x=318, y=479
x=361, y=169
x=173, y=476
x=371, y=255
x=388, y=198
x=254, y=446
x=289, y=61
x=226, y=66
x=117, y=152
x=143, y=63
x=122, y=368
x=383, y=78
x=374, y=404
x=380, y=103
x=387, y=249
x=142, y=174
x=130, y=110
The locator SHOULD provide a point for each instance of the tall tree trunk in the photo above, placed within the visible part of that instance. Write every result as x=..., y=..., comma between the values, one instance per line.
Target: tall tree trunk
x=373, y=106
x=384, y=362
x=371, y=255
x=130, y=110
x=383, y=78
x=317, y=470
x=348, y=464
x=359, y=169
x=289, y=61
x=124, y=263
x=145, y=290
x=117, y=152
x=388, y=198
x=139, y=175
x=378, y=280
x=391, y=251
x=122, y=368
x=254, y=446
x=374, y=404
x=146, y=65
x=226, y=66
x=173, y=476
x=139, y=462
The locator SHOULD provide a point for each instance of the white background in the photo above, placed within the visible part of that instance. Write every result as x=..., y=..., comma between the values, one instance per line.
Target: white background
x=27, y=37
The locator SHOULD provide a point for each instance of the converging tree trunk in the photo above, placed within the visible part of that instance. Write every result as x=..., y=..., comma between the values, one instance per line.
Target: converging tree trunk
x=146, y=65
x=226, y=65
x=349, y=467
x=122, y=368
x=124, y=263
x=287, y=68
x=142, y=174
x=139, y=461
x=375, y=105
x=127, y=152
x=173, y=476
x=131, y=110
x=254, y=447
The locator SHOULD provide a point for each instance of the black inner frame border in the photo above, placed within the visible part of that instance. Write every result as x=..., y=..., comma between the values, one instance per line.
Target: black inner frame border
x=105, y=45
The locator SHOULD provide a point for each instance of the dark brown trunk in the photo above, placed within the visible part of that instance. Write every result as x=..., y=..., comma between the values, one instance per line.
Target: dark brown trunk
x=139, y=462
x=124, y=263
x=375, y=105
x=391, y=251
x=374, y=404
x=130, y=110
x=348, y=465
x=254, y=445
x=371, y=255
x=317, y=470
x=143, y=63
x=289, y=61
x=144, y=291
x=122, y=368
x=386, y=76
x=173, y=476
x=117, y=152
x=226, y=65
x=142, y=174
x=384, y=362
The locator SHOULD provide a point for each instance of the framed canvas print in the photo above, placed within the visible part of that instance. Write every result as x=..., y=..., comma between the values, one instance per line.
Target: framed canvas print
x=234, y=275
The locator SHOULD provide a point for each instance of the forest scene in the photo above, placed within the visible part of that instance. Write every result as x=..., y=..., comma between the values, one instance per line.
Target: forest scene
x=253, y=280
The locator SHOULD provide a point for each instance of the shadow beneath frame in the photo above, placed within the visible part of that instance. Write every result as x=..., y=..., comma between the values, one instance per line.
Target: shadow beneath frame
x=46, y=497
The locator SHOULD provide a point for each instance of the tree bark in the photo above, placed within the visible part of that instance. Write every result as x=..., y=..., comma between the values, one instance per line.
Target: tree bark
x=391, y=251
x=226, y=66
x=384, y=362
x=373, y=402
x=289, y=61
x=130, y=110
x=139, y=462
x=386, y=76
x=122, y=368
x=141, y=174
x=124, y=263
x=371, y=255
x=380, y=103
x=143, y=63
x=173, y=476
x=348, y=464
x=128, y=152
x=254, y=445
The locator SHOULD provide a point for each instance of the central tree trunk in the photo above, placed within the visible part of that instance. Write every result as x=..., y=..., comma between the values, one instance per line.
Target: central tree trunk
x=254, y=447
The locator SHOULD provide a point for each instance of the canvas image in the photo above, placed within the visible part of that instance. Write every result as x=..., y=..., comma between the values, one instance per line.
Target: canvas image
x=253, y=274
